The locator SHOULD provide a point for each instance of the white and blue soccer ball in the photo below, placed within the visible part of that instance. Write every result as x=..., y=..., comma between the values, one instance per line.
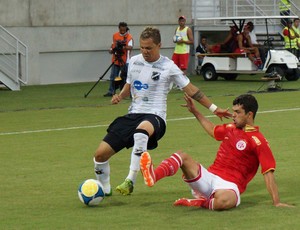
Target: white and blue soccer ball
x=177, y=38
x=90, y=192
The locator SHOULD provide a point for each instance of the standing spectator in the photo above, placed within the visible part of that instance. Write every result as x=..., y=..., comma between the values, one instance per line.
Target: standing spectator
x=290, y=38
x=150, y=76
x=201, y=49
x=285, y=10
x=182, y=47
x=120, y=49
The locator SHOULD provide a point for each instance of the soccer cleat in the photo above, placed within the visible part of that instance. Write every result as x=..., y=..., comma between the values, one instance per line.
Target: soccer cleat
x=190, y=202
x=126, y=188
x=147, y=169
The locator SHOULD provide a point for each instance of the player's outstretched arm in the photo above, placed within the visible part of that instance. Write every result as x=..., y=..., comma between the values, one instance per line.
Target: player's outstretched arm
x=273, y=189
x=195, y=93
x=205, y=123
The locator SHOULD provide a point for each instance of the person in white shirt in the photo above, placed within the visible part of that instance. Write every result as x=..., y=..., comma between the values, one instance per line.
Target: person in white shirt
x=254, y=41
x=150, y=79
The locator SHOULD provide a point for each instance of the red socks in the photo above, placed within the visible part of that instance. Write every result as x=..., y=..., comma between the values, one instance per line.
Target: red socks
x=168, y=167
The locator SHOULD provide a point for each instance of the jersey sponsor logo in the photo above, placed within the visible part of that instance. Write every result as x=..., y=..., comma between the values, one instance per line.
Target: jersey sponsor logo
x=155, y=76
x=241, y=145
x=139, y=85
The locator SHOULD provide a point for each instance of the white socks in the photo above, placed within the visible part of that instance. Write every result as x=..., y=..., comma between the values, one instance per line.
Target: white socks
x=102, y=172
x=102, y=169
x=140, y=146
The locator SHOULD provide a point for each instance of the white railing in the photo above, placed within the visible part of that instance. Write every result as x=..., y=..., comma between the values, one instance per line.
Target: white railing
x=13, y=57
x=235, y=8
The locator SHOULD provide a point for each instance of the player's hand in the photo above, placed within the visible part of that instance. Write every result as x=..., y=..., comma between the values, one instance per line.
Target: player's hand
x=116, y=99
x=189, y=103
x=223, y=113
x=284, y=205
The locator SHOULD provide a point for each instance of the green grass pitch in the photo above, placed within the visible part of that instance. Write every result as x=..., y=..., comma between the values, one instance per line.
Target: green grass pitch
x=48, y=135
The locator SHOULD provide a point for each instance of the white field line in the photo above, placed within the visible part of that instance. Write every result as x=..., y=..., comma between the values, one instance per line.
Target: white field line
x=97, y=126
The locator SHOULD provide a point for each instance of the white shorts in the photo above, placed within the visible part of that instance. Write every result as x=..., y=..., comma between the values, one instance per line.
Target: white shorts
x=207, y=183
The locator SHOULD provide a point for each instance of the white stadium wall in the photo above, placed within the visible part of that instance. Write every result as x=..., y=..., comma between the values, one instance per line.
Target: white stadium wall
x=68, y=40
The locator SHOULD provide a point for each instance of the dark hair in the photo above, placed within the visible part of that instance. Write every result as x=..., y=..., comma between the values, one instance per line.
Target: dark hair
x=122, y=24
x=248, y=102
x=203, y=37
x=296, y=19
x=250, y=26
x=151, y=32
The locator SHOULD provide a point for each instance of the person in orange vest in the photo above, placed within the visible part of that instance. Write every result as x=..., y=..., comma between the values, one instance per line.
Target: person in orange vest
x=120, y=49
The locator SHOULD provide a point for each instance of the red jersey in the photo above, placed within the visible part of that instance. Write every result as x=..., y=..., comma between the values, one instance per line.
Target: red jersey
x=240, y=154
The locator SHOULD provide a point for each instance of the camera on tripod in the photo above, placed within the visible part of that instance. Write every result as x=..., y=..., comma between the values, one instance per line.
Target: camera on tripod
x=118, y=49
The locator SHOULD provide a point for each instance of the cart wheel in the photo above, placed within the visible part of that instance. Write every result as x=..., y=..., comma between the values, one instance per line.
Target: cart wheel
x=292, y=74
x=209, y=73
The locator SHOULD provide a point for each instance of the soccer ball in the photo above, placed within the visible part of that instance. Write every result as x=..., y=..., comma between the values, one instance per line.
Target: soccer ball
x=177, y=38
x=90, y=192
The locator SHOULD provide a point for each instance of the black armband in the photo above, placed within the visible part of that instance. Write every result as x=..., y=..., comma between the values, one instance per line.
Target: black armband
x=198, y=95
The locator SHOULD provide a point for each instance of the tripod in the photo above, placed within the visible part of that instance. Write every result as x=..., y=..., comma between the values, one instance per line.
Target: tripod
x=121, y=62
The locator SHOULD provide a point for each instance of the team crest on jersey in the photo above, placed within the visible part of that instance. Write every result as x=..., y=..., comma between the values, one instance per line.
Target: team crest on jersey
x=155, y=76
x=241, y=145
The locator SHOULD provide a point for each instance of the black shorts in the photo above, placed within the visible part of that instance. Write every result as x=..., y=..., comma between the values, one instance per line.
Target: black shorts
x=120, y=132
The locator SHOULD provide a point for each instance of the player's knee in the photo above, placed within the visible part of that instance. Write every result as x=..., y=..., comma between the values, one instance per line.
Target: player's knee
x=224, y=200
x=99, y=157
x=103, y=152
x=223, y=204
